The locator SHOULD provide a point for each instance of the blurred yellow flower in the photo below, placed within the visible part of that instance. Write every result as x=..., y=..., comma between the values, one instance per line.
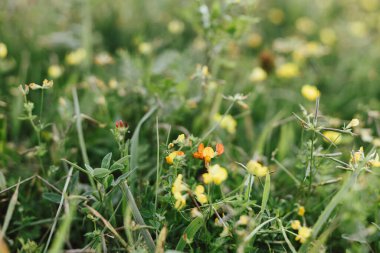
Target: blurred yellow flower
x=305, y=25
x=358, y=29
x=243, y=220
x=276, y=16
x=258, y=75
x=357, y=156
x=228, y=122
x=310, y=92
x=216, y=174
x=295, y=224
x=76, y=57
x=375, y=162
x=145, y=48
x=301, y=211
x=3, y=51
x=200, y=194
x=55, y=71
x=303, y=234
x=332, y=136
x=180, y=139
x=327, y=36
x=353, y=123
x=254, y=40
x=288, y=70
x=257, y=169
x=369, y=5
x=176, y=26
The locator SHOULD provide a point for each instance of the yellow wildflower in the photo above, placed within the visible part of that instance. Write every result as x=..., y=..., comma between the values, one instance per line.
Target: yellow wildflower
x=176, y=26
x=305, y=25
x=3, y=51
x=145, y=48
x=295, y=224
x=301, y=211
x=310, y=92
x=200, y=194
x=177, y=188
x=332, y=136
x=216, y=174
x=358, y=29
x=76, y=57
x=55, y=71
x=303, y=234
x=276, y=16
x=254, y=40
x=288, y=70
x=258, y=75
x=228, y=122
x=375, y=162
x=257, y=169
x=327, y=36
x=195, y=213
x=170, y=158
x=180, y=139
x=357, y=156
x=353, y=123
x=243, y=220
x=46, y=84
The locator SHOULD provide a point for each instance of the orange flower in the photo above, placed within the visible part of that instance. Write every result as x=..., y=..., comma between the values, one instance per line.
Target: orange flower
x=207, y=153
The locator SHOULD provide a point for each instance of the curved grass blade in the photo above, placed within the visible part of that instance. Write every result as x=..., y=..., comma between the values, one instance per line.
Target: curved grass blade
x=189, y=233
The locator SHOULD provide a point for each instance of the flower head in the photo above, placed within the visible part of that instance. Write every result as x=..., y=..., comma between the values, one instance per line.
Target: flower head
x=295, y=224
x=226, y=122
x=200, y=194
x=301, y=211
x=177, y=189
x=332, y=137
x=216, y=174
x=76, y=57
x=303, y=234
x=55, y=71
x=3, y=50
x=288, y=70
x=170, y=158
x=310, y=92
x=258, y=75
x=353, y=123
x=207, y=153
x=257, y=169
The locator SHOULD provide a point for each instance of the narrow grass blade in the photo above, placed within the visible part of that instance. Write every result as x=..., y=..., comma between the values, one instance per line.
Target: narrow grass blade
x=59, y=208
x=10, y=210
x=290, y=245
x=257, y=229
x=189, y=233
x=266, y=192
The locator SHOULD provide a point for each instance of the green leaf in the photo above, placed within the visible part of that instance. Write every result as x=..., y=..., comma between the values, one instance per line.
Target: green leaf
x=135, y=138
x=117, y=166
x=101, y=172
x=189, y=233
x=52, y=197
x=89, y=169
x=264, y=201
x=106, y=161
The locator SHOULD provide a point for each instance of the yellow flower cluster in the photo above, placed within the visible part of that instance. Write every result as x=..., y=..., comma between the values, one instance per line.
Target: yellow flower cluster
x=228, y=122
x=177, y=189
x=170, y=158
x=55, y=71
x=288, y=70
x=76, y=57
x=257, y=169
x=200, y=194
x=310, y=92
x=258, y=75
x=303, y=234
x=216, y=174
